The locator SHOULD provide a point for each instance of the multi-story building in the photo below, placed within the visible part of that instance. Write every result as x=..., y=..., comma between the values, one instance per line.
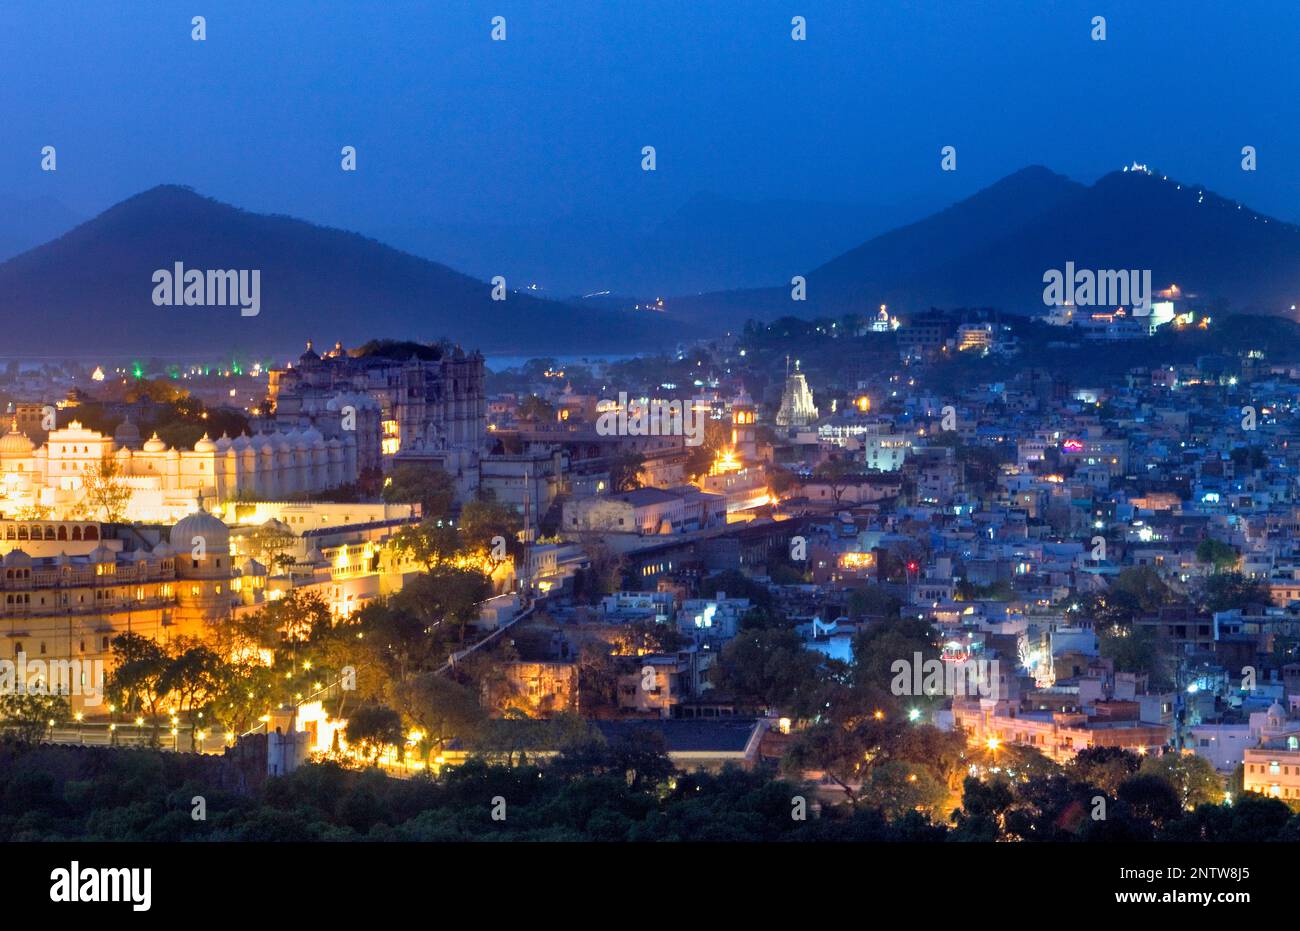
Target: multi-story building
x=160, y=483
x=1272, y=767
x=430, y=401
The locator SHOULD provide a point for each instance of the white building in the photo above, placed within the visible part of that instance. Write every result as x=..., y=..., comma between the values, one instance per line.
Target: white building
x=163, y=482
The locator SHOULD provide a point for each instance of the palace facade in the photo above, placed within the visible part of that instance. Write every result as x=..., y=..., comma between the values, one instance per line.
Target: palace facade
x=425, y=403
x=163, y=481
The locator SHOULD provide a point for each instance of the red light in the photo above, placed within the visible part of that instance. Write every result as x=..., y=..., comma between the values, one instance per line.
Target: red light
x=912, y=567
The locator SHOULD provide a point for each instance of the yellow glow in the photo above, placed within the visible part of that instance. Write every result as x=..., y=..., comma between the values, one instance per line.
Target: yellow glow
x=726, y=462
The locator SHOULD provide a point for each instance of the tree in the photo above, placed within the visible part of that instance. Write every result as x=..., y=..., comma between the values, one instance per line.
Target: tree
x=193, y=678
x=769, y=667
x=604, y=574
x=1143, y=588
x=624, y=472
x=294, y=619
x=639, y=758
x=270, y=542
x=1103, y=767
x=598, y=673
x=445, y=594
x=876, y=651
x=898, y=787
x=1223, y=591
x=650, y=636
x=844, y=752
x=440, y=708
x=401, y=636
x=1139, y=650
x=781, y=481
x=1152, y=798
x=106, y=490
x=484, y=523
x=1192, y=777
x=716, y=441
x=839, y=475
x=374, y=728
x=138, y=679
x=243, y=692
x=1217, y=554
x=429, y=486
x=536, y=410
x=430, y=542
x=29, y=717
x=873, y=601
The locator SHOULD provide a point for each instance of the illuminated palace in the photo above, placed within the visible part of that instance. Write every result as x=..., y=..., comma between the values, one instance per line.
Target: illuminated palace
x=412, y=401
x=164, y=481
x=70, y=587
x=67, y=588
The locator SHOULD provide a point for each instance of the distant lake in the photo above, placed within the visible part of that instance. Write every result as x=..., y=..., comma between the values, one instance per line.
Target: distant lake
x=501, y=363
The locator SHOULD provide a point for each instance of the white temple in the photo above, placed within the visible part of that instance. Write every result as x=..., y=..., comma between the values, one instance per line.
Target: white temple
x=50, y=481
x=797, y=407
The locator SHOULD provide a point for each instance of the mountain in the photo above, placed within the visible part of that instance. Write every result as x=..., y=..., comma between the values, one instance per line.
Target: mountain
x=92, y=289
x=707, y=243
x=993, y=249
x=30, y=221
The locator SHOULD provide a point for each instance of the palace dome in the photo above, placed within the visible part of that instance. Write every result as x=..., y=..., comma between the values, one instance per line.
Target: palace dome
x=155, y=445
x=127, y=434
x=16, y=443
x=215, y=534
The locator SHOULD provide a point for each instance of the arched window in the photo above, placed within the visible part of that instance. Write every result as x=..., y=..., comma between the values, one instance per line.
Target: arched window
x=92, y=533
x=76, y=533
x=63, y=532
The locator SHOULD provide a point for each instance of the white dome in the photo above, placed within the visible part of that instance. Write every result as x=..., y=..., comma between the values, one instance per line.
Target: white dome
x=16, y=443
x=215, y=534
x=155, y=445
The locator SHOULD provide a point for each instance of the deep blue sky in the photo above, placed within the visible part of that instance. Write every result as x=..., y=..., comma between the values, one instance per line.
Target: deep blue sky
x=450, y=125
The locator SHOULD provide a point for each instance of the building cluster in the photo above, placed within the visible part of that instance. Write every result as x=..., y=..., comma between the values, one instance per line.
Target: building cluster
x=1102, y=565
x=1036, y=522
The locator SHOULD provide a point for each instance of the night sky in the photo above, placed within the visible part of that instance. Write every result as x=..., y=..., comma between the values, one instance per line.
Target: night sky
x=454, y=127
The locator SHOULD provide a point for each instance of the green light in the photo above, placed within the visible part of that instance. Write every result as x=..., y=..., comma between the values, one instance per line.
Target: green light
x=137, y=370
